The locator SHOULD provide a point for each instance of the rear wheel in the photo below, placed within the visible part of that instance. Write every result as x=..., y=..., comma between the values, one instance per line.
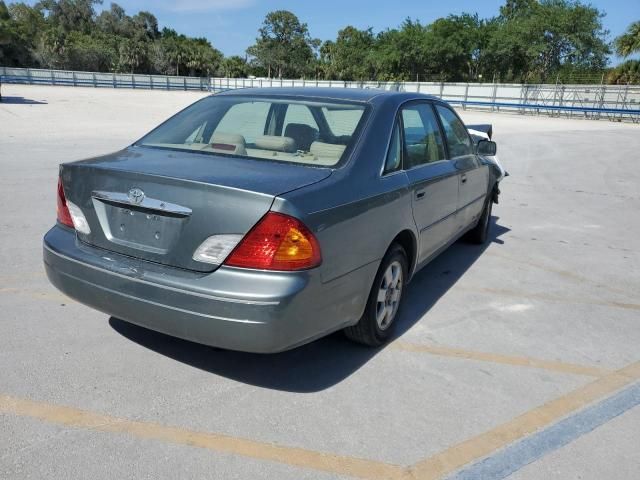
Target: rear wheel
x=376, y=324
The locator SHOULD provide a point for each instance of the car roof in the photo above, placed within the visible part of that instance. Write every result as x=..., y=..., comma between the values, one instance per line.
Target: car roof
x=334, y=93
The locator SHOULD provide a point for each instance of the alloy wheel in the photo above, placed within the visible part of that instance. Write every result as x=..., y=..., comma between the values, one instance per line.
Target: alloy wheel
x=389, y=295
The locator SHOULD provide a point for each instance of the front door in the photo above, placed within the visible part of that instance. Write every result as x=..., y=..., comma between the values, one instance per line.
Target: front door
x=473, y=176
x=433, y=179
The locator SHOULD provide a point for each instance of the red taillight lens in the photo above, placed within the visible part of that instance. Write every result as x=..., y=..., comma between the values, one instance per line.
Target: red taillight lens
x=277, y=242
x=64, y=216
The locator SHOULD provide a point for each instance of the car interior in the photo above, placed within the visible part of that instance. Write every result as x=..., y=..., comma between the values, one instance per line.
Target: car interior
x=314, y=134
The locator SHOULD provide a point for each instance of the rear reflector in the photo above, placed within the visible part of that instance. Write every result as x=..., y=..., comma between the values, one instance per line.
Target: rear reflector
x=78, y=218
x=277, y=242
x=216, y=248
x=64, y=216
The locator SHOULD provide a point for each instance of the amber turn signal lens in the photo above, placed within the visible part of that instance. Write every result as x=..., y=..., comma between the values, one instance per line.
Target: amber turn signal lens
x=277, y=242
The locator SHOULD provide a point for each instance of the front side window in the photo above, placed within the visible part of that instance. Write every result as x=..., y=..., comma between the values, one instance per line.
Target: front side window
x=296, y=131
x=456, y=133
x=422, y=138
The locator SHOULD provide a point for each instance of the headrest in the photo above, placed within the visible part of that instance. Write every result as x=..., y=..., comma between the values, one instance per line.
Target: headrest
x=327, y=150
x=228, y=143
x=279, y=144
x=304, y=135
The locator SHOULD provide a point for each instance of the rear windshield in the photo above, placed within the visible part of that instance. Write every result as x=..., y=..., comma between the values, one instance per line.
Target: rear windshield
x=297, y=131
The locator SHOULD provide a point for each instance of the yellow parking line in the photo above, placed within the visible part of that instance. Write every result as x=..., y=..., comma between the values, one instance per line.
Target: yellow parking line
x=9, y=290
x=293, y=456
x=435, y=467
x=518, y=361
x=474, y=449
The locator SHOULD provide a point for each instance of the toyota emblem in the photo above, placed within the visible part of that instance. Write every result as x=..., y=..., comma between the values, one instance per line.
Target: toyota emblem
x=136, y=196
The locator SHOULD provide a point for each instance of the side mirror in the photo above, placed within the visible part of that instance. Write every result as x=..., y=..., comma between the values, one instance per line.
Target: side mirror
x=486, y=148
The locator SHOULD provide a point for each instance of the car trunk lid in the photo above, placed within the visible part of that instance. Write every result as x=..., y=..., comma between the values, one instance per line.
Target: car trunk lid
x=160, y=205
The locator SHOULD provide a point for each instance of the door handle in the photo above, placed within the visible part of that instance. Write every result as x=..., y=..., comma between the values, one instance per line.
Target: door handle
x=463, y=178
x=420, y=194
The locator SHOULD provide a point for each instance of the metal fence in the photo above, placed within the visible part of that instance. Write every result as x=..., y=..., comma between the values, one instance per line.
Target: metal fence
x=614, y=102
x=33, y=76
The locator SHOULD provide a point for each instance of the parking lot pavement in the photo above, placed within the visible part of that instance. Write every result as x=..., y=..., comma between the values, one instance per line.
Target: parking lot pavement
x=515, y=360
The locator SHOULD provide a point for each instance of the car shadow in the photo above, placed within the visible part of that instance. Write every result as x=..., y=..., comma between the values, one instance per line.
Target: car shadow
x=324, y=362
x=21, y=101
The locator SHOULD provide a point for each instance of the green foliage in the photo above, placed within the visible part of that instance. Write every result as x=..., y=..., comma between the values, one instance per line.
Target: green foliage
x=284, y=46
x=629, y=42
x=348, y=57
x=535, y=39
x=68, y=34
x=234, y=67
x=529, y=41
x=628, y=72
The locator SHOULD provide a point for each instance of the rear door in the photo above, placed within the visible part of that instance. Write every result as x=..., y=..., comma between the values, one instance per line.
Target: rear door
x=433, y=179
x=473, y=177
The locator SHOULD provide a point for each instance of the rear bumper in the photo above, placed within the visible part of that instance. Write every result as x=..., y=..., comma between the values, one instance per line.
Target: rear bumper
x=230, y=308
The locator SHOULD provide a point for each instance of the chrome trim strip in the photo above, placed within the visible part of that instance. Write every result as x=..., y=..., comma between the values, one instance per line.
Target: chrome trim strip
x=148, y=203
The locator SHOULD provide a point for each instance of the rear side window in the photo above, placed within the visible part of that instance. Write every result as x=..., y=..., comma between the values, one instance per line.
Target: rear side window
x=422, y=139
x=456, y=133
x=394, y=156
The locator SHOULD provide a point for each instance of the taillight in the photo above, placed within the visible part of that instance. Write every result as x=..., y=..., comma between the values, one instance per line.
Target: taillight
x=70, y=214
x=277, y=242
x=64, y=216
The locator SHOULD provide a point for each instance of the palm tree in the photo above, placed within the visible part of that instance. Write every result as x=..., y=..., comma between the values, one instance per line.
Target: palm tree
x=629, y=42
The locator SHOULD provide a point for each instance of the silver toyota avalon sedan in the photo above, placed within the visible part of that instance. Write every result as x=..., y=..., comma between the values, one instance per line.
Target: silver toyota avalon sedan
x=262, y=219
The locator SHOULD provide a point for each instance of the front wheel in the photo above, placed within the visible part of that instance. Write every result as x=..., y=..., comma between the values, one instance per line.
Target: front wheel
x=480, y=232
x=376, y=324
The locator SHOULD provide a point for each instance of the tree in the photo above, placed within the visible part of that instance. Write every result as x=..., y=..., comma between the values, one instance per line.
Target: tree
x=96, y=53
x=627, y=72
x=200, y=58
x=401, y=54
x=629, y=42
x=234, y=67
x=284, y=45
x=20, y=26
x=132, y=55
x=70, y=15
x=112, y=21
x=349, y=57
x=531, y=41
x=456, y=47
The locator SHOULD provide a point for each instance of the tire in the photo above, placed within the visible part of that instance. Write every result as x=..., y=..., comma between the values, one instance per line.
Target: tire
x=480, y=232
x=375, y=327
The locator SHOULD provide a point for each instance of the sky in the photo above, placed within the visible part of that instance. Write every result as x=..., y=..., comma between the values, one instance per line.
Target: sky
x=232, y=25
